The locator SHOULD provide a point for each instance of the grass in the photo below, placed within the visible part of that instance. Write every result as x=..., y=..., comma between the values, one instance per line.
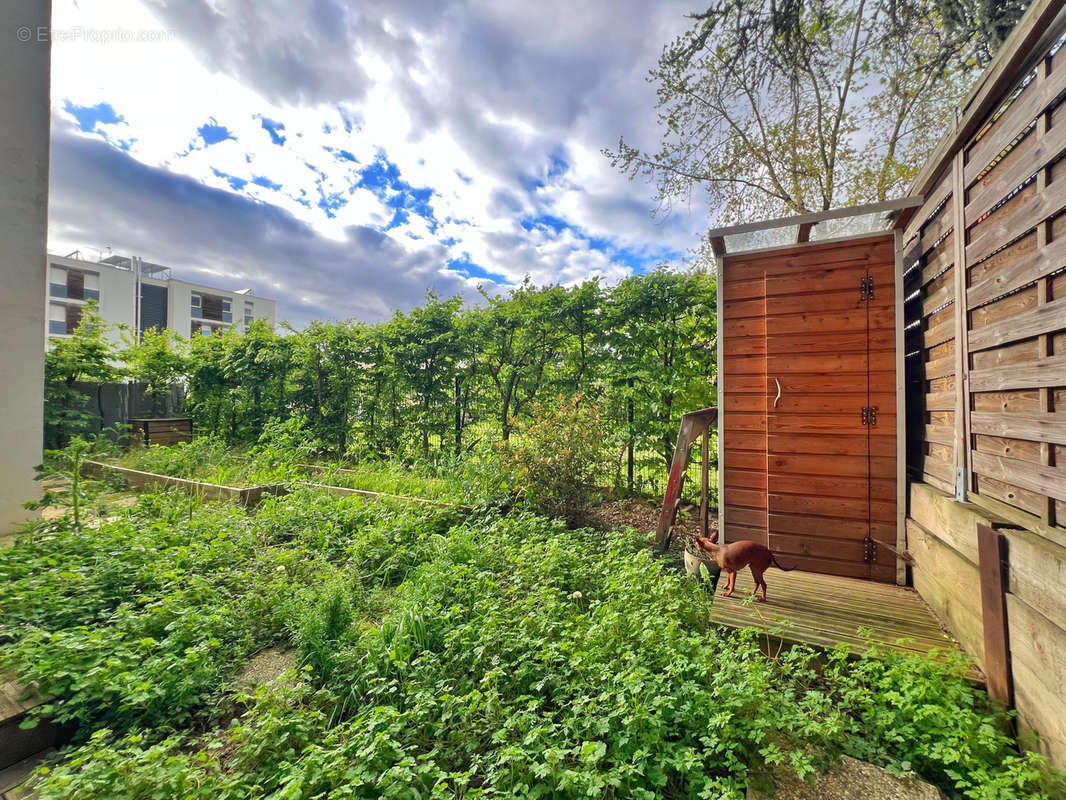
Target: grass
x=203, y=459
x=441, y=655
x=388, y=479
x=211, y=461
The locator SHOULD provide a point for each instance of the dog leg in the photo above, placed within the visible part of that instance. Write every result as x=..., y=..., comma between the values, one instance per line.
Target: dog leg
x=757, y=575
x=729, y=585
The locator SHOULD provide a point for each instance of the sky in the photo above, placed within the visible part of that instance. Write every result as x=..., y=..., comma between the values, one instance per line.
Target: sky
x=344, y=157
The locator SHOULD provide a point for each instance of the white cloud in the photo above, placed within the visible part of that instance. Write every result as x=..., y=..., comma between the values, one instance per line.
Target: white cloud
x=473, y=102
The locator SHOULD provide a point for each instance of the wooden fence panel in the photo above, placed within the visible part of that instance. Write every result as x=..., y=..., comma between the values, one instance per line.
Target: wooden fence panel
x=1015, y=231
x=986, y=371
x=929, y=308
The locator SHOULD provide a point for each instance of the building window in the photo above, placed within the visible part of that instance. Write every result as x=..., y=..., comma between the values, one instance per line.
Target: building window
x=249, y=313
x=73, y=284
x=212, y=307
x=72, y=318
x=153, y=307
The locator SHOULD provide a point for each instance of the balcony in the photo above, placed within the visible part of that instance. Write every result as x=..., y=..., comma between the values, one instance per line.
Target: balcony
x=211, y=308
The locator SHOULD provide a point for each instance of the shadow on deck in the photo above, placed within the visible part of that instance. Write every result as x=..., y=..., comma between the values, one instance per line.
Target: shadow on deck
x=825, y=610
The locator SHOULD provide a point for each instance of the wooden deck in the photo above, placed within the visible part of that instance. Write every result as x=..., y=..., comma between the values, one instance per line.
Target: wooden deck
x=826, y=610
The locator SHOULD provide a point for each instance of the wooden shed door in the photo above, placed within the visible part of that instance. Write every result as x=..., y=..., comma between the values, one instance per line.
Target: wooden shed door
x=829, y=350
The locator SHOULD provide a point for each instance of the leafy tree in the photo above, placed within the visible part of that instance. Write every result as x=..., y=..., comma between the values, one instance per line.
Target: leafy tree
x=661, y=332
x=89, y=355
x=975, y=28
x=211, y=397
x=521, y=337
x=425, y=355
x=792, y=107
x=256, y=365
x=327, y=371
x=582, y=317
x=158, y=361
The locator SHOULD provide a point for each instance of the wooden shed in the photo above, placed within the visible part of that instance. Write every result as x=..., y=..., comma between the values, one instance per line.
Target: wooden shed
x=811, y=389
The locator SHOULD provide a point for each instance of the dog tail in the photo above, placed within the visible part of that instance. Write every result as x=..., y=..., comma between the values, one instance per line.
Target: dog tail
x=774, y=561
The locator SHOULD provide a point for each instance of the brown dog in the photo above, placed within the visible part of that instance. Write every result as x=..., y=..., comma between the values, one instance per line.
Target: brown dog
x=734, y=556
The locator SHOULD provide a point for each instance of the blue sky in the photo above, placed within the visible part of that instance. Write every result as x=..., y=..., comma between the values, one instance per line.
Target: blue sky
x=345, y=159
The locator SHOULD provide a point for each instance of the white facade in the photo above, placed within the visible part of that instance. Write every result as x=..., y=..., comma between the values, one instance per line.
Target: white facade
x=24, y=138
x=133, y=295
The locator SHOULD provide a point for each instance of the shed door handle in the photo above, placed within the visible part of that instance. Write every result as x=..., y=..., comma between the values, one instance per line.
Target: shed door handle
x=778, y=392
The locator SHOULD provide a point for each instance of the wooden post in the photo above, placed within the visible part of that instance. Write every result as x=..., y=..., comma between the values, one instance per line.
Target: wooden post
x=962, y=367
x=992, y=567
x=693, y=424
x=1043, y=238
x=705, y=503
x=675, y=481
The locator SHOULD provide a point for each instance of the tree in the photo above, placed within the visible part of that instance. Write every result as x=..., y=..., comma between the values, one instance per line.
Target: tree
x=89, y=355
x=211, y=398
x=157, y=361
x=799, y=106
x=256, y=366
x=661, y=331
x=425, y=354
x=976, y=28
x=327, y=371
x=582, y=317
x=521, y=337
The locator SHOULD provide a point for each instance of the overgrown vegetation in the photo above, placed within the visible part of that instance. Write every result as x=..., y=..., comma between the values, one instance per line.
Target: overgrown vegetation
x=555, y=456
x=210, y=460
x=440, y=655
x=436, y=383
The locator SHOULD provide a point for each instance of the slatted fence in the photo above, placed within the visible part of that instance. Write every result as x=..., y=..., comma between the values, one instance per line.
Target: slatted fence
x=984, y=262
x=985, y=285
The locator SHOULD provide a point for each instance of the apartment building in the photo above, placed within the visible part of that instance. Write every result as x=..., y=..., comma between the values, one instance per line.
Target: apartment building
x=138, y=295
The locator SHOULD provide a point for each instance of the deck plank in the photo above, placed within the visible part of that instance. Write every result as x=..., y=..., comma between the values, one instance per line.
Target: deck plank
x=826, y=610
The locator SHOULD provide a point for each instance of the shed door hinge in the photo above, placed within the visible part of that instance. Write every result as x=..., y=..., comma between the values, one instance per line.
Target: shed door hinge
x=866, y=288
x=869, y=416
x=869, y=550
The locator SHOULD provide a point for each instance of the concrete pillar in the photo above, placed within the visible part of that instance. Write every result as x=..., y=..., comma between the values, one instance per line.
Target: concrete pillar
x=25, y=115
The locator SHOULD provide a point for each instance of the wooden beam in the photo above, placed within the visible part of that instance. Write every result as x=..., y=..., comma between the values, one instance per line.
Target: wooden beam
x=1048, y=481
x=1020, y=518
x=1047, y=317
x=1044, y=427
x=705, y=494
x=901, y=415
x=962, y=394
x=718, y=246
x=804, y=232
x=992, y=564
x=1028, y=375
x=676, y=481
x=1043, y=236
x=818, y=216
